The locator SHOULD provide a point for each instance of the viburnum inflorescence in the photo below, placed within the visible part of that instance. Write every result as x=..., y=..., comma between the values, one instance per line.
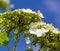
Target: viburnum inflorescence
x=29, y=23
x=18, y=20
x=46, y=35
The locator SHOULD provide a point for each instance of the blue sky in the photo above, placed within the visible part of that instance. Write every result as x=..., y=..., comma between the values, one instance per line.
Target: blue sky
x=50, y=10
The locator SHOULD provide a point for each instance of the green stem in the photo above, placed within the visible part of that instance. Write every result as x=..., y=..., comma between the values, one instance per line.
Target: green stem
x=14, y=49
x=15, y=44
x=16, y=41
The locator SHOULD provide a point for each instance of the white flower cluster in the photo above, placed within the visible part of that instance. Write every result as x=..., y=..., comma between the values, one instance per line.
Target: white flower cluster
x=43, y=28
x=56, y=31
x=38, y=32
x=30, y=11
x=34, y=25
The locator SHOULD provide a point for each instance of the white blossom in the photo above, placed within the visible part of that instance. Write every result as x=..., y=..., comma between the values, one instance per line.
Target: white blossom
x=38, y=32
x=56, y=31
x=28, y=10
x=40, y=28
x=34, y=25
x=40, y=14
x=27, y=39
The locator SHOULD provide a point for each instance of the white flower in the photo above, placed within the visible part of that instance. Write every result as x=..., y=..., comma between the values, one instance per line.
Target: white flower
x=56, y=31
x=34, y=25
x=40, y=28
x=38, y=32
x=27, y=39
x=28, y=10
x=40, y=14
